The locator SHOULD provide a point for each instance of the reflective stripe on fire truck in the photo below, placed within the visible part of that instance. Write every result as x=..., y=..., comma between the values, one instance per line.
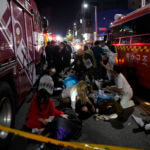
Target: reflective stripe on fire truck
x=133, y=48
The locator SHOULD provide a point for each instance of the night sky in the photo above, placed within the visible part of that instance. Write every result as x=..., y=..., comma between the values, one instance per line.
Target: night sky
x=63, y=13
x=60, y=13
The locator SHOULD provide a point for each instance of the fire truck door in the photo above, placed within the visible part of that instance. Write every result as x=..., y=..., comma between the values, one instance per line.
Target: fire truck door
x=31, y=52
x=22, y=34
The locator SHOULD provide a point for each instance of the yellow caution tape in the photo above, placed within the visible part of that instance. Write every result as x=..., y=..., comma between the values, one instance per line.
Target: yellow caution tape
x=75, y=145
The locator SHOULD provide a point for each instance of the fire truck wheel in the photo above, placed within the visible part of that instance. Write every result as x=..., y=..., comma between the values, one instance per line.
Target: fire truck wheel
x=7, y=112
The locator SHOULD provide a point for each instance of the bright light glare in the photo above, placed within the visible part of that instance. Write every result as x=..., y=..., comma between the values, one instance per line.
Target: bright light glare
x=58, y=38
x=85, y=5
x=77, y=47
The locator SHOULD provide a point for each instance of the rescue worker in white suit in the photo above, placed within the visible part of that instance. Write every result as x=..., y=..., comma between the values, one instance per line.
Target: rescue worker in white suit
x=123, y=88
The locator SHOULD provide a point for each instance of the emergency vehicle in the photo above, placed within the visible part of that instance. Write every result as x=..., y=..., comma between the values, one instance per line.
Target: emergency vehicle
x=20, y=47
x=130, y=36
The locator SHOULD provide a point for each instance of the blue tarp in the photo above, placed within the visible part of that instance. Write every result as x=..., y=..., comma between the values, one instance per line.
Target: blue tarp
x=70, y=81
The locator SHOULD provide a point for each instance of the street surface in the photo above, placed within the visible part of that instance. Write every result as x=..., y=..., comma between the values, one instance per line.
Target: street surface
x=113, y=132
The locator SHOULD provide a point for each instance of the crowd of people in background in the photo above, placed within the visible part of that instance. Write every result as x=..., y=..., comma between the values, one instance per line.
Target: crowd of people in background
x=58, y=56
x=93, y=65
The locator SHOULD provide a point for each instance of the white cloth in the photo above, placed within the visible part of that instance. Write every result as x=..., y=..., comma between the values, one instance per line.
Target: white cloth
x=123, y=84
x=126, y=101
x=72, y=93
x=126, y=91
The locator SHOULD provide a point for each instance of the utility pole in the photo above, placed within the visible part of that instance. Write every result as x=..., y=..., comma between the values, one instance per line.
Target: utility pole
x=94, y=3
x=84, y=7
x=95, y=38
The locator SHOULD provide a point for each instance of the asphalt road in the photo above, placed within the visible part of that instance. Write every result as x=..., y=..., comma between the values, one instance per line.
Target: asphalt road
x=112, y=132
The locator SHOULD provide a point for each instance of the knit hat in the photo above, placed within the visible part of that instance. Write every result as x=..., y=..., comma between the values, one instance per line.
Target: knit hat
x=46, y=82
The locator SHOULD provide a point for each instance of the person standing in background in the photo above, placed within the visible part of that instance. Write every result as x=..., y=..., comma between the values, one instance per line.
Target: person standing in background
x=98, y=52
x=87, y=49
x=50, y=53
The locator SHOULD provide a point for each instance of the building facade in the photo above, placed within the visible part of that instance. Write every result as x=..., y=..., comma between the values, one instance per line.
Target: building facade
x=135, y=4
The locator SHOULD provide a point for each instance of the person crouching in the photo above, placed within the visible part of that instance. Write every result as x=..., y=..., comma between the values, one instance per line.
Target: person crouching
x=42, y=107
x=79, y=99
x=123, y=88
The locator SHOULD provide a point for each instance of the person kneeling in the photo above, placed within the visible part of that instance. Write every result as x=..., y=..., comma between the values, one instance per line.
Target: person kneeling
x=123, y=88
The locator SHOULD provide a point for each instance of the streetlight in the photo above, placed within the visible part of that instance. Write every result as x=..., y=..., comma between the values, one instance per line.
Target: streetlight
x=85, y=5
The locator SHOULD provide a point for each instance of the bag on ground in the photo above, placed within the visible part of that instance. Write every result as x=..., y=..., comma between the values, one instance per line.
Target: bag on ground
x=68, y=128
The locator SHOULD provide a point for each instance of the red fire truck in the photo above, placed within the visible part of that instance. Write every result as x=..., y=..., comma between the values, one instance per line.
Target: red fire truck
x=131, y=38
x=20, y=46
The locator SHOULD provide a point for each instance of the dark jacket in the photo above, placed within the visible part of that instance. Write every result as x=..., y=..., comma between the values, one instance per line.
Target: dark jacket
x=98, y=52
x=49, y=54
